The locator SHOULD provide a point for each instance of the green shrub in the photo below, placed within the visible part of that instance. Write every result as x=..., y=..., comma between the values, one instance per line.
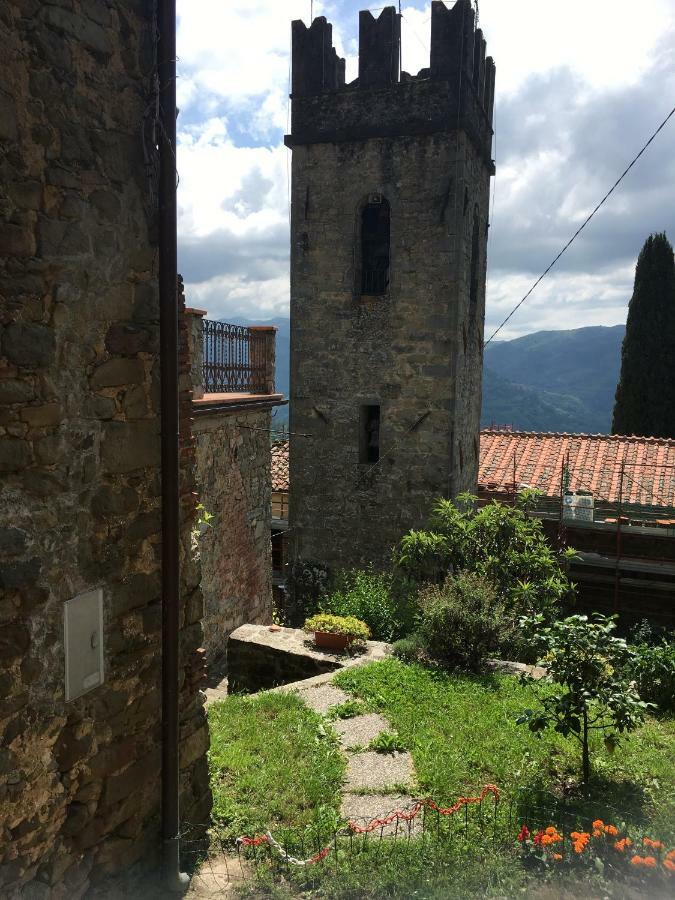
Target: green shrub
x=338, y=625
x=463, y=621
x=386, y=604
x=409, y=649
x=501, y=543
x=588, y=665
x=653, y=670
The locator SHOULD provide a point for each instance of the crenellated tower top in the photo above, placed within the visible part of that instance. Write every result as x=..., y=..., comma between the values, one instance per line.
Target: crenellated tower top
x=316, y=65
x=456, y=88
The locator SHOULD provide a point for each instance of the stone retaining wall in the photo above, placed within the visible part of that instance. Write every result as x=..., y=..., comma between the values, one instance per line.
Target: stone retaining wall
x=260, y=657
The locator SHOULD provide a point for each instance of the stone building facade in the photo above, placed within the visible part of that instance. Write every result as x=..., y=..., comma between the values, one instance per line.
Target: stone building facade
x=233, y=483
x=390, y=203
x=80, y=453
x=233, y=476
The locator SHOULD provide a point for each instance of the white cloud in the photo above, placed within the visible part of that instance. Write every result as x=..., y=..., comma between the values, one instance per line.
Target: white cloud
x=213, y=170
x=238, y=298
x=563, y=66
x=562, y=301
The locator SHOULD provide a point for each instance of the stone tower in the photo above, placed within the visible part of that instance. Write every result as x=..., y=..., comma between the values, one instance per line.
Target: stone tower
x=390, y=202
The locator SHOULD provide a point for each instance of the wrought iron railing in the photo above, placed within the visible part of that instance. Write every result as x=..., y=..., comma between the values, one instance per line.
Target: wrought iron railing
x=238, y=359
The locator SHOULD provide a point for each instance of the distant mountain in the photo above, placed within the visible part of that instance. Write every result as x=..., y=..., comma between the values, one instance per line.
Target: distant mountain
x=573, y=375
x=545, y=381
x=529, y=409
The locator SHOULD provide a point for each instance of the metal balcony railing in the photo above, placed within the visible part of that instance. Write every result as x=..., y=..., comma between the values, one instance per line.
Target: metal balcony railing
x=238, y=359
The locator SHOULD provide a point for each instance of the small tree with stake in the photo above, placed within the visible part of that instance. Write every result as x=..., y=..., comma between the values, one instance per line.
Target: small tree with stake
x=586, y=661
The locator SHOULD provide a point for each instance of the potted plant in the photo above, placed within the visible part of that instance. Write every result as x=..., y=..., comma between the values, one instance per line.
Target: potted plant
x=336, y=632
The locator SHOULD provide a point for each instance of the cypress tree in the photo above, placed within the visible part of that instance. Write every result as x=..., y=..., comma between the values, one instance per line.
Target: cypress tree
x=645, y=394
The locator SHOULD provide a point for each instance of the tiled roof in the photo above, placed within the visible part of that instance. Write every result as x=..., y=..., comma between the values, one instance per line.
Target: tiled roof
x=280, y=466
x=594, y=465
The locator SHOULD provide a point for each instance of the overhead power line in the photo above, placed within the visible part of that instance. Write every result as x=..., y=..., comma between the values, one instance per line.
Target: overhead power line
x=581, y=227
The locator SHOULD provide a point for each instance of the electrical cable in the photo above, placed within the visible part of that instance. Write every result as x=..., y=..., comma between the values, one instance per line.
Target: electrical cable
x=582, y=226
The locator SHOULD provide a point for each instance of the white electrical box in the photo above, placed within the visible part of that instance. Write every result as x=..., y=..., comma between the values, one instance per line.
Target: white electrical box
x=83, y=641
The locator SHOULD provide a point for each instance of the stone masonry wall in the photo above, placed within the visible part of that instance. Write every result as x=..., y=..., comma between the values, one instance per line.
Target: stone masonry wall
x=79, y=451
x=414, y=350
x=233, y=478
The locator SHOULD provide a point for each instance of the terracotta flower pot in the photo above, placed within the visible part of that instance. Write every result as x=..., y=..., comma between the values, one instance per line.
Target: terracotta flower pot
x=330, y=641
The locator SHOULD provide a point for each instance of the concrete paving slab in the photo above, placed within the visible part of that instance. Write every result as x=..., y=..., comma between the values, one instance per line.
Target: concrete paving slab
x=364, y=808
x=321, y=698
x=359, y=731
x=378, y=771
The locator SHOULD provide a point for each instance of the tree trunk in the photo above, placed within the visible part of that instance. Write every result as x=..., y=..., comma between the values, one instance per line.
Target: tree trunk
x=586, y=763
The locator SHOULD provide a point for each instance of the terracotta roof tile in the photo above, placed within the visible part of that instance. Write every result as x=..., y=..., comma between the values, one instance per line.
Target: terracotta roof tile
x=594, y=464
x=280, y=466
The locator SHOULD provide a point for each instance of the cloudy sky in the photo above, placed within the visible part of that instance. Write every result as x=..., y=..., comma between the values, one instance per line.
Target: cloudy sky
x=581, y=84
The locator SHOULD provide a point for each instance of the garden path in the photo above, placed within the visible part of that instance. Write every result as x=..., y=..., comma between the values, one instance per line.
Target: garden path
x=376, y=784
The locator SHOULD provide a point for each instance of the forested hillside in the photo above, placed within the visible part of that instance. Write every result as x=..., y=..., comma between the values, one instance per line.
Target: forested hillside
x=545, y=381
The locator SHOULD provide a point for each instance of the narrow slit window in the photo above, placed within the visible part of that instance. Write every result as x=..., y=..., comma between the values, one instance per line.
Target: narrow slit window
x=369, y=443
x=375, y=238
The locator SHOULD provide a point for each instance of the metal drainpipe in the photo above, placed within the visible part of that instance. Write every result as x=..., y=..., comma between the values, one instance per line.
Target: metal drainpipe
x=168, y=328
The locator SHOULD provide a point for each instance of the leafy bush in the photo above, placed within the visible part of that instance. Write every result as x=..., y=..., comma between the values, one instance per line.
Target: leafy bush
x=652, y=668
x=500, y=543
x=338, y=625
x=590, y=665
x=463, y=621
x=386, y=604
x=409, y=649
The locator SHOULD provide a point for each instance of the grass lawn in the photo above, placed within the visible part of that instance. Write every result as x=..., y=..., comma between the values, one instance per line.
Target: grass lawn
x=277, y=765
x=273, y=763
x=462, y=733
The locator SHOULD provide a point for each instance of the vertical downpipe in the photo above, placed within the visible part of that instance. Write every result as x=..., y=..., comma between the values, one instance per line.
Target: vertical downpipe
x=168, y=327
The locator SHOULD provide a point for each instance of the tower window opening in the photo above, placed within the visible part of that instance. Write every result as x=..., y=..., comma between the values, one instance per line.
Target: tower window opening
x=369, y=437
x=375, y=247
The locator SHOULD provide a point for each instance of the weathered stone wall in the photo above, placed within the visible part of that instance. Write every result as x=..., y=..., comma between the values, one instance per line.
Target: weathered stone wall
x=79, y=451
x=405, y=350
x=416, y=351
x=233, y=483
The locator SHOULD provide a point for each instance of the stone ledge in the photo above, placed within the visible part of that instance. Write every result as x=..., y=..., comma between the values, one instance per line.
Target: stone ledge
x=260, y=657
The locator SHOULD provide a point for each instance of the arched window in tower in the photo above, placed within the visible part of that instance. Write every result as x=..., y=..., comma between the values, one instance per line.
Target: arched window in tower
x=473, y=275
x=375, y=246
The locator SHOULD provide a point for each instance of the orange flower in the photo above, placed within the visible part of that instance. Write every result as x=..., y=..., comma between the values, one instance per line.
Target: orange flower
x=598, y=823
x=636, y=861
x=597, y=832
x=611, y=829
x=622, y=844
x=649, y=861
x=559, y=856
x=669, y=864
x=655, y=845
x=671, y=855
x=579, y=846
x=551, y=830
